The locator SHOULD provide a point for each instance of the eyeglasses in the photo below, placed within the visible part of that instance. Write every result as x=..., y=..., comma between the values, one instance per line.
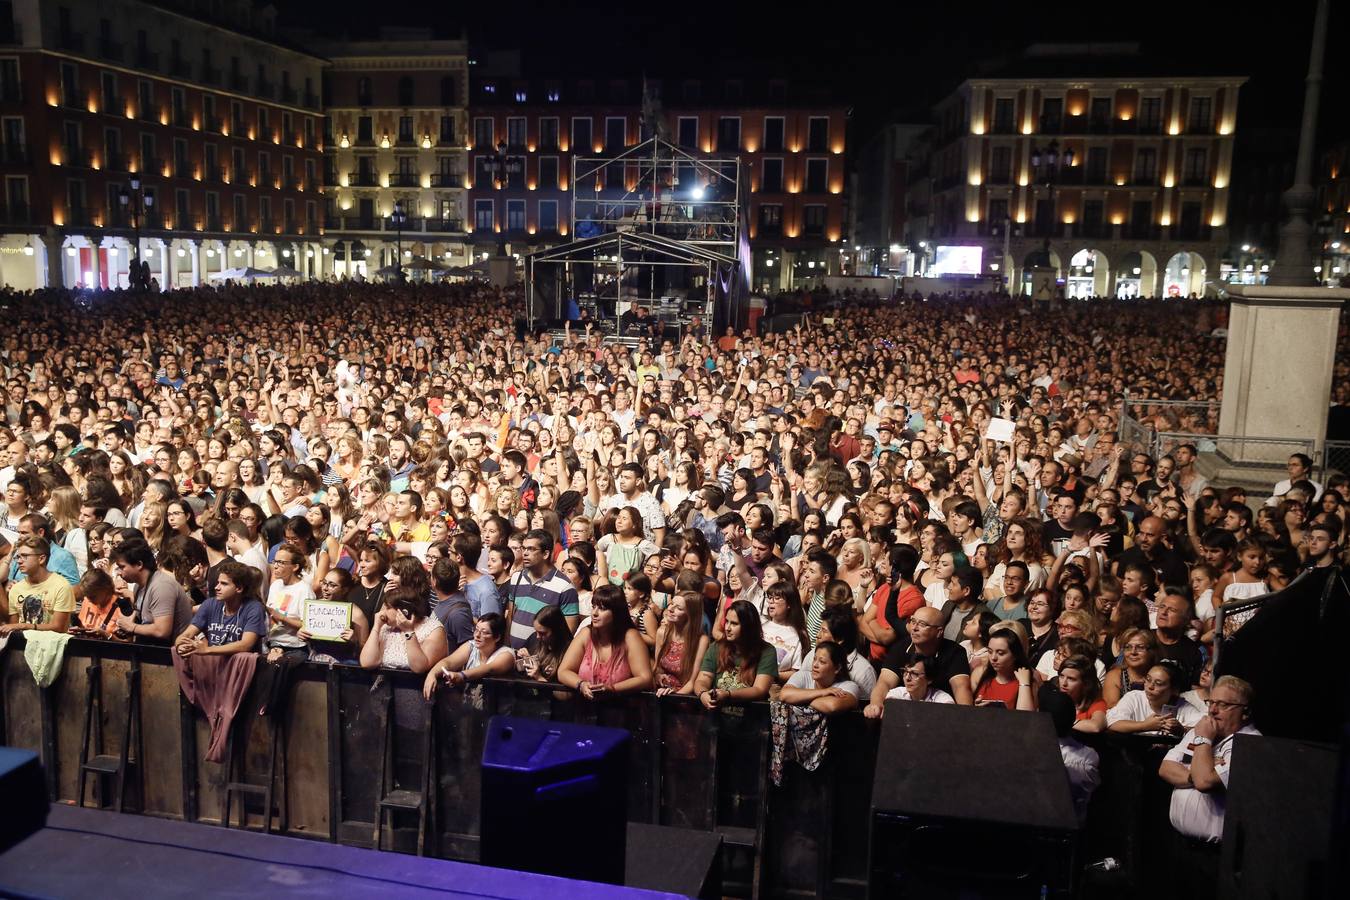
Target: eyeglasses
x=1224, y=705
x=1157, y=682
x=1138, y=648
x=922, y=624
x=914, y=673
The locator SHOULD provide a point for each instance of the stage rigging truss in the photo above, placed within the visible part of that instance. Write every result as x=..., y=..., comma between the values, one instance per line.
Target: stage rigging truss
x=654, y=227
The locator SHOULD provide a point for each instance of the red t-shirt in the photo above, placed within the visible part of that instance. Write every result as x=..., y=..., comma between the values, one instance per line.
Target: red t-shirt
x=891, y=609
x=1097, y=705
x=1004, y=693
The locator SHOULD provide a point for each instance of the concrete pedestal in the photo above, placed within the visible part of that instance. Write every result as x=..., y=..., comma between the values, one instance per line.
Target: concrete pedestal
x=501, y=271
x=1277, y=374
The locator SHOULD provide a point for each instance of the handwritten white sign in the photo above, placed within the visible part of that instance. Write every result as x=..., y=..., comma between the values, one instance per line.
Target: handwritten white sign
x=1000, y=430
x=325, y=619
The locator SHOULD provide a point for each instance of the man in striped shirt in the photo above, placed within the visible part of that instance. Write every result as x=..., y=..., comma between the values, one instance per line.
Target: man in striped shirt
x=537, y=585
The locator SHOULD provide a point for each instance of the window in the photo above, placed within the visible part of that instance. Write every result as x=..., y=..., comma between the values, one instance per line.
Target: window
x=548, y=215
x=264, y=170
x=998, y=213
x=1000, y=165
x=240, y=222
x=515, y=215
x=1197, y=166
x=1145, y=165
x=363, y=92
x=515, y=132
x=1101, y=112
x=1141, y=218
x=687, y=128
x=75, y=201
x=1052, y=114
x=548, y=172
x=70, y=85
x=772, y=183
x=818, y=134
x=264, y=124
x=73, y=140
x=178, y=105
x=405, y=91
x=1096, y=165
x=405, y=129
x=729, y=134
x=482, y=134
x=581, y=135
x=148, y=162
x=1150, y=114
x=210, y=159
x=108, y=83
x=236, y=118
x=813, y=220
x=213, y=210
x=770, y=220
x=616, y=129
x=288, y=213
x=515, y=172
x=548, y=133
x=447, y=130
x=773, y=134
x=817, y=173
x=483, y=216
x=265, y=212
x=365, y=130
x=1093, y=214
x=182, y=208
x=449, y=93
x=238, y=168
x=1190, y=225
x=309, y=132
x=482, y=175
x=1003, y=116
x=1202, y=109
x=9, y=79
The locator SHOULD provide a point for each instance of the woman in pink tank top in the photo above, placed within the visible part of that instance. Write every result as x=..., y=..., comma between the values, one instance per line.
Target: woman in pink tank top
x=608, y=656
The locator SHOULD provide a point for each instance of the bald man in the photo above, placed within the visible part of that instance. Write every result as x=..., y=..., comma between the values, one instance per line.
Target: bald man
x=948, y=668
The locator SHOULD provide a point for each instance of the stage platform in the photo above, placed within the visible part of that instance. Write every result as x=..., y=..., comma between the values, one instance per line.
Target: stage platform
x=90, y=853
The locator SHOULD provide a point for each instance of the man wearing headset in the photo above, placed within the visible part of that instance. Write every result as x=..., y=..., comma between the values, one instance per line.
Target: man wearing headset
x=1197, y=769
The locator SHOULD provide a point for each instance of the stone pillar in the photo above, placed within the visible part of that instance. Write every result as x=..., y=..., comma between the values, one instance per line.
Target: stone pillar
x=1277, y=374
x=165, y=266
x=56, y=260
x=96, y=264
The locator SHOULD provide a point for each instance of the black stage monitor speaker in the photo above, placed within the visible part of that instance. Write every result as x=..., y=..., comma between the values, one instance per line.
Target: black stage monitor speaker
x=1278, y=819
x=25, y=796
x=970, y=803
x=555, y=798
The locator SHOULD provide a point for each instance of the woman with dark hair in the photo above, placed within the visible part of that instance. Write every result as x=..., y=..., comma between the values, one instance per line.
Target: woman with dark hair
x=233, y=621
x=740, y=667
x=1006, y=677
x=486, y=656
x=620, y=555
x=228, y=503
x=101, y=494
x=680, y=644
x=784, y=628
x=1152, y=710
x=1128, y=614
x=1042, y=632
x=1078, y=681
x=825, y=686
x=1139, y=650
x=742, y=490
x=179, y=518
x=543, y=652
x=405, y=635
x=609, y=656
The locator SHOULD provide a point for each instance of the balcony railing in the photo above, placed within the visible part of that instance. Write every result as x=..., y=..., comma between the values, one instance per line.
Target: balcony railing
x=180, y=68
x=213, y=223
x=211, y=75
x=16, y=214
x=330, y=178
x=214, y=124
x=362, y=179
x=289, y=95
x=78, y=215
x=152, y=166
x=266, y=89
x=311, y=101
x=447, y=179
x=147, y=60
x=115, y=162
x=293, y=183
x=440, y=226
x=11, y=92
x=267, y=225
x=14, y=153
x=265, y=178
x=75, y=156
x=239, y=82
x=182, y=168
x=181, y=118
x=147, y=112
x=404, y=179
x=213, y=174
x=293, y=226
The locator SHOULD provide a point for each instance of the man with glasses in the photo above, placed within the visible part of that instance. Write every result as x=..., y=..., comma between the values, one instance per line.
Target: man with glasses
x=1174, y=615
x=41, y=600
x=1197, y=769
x=163, y=608
x=538, y=584
x=949, y=668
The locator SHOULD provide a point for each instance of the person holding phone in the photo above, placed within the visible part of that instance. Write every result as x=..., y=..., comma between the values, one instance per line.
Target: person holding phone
x=405, y=635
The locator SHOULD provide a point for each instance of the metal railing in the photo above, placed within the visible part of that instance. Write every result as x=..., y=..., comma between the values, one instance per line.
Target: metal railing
x=1335, y=459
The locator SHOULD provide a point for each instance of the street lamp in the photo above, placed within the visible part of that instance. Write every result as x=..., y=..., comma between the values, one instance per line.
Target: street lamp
x=1046, y=168
x=136, y=201
x=399, y=217
x=501, y=168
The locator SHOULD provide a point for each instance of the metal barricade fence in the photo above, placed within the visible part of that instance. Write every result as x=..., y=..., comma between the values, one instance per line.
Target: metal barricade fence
x=1335, y=460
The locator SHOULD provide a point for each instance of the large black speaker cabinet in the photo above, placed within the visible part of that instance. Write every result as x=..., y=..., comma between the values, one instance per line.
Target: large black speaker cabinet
x=970, y=803
x=1278, y=819
x=25, y=796
x=555, y=799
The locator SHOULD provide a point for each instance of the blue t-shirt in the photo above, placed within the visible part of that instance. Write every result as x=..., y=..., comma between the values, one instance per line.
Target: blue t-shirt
x=221, y=628
x=484, y=597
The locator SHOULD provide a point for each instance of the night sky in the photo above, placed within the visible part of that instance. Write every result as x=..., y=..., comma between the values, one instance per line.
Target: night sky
x=894, y=62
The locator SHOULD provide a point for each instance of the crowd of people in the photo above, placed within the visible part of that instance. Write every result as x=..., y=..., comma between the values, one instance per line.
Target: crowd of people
x=815, y=517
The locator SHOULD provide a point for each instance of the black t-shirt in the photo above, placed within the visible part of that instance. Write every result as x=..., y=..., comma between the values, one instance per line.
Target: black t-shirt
x=1052, y=531
x=1188, y=657
x=951, y=661
x=366, y=599
x=1167, y=565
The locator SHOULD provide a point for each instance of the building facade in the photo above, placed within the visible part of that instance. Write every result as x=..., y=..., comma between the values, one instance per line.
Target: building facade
x=396, y=134
x=218, y=121
x=1119, y=185
x=1333, y=216
x=883, y=175
x=525, y=134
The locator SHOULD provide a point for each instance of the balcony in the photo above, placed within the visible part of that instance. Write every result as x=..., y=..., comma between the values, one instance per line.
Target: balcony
x=213, y=223
x=147, y=60
x=182, y=168
x=330, y=178
x=293, y=183
x=16, y=215
x=214, y=124
x=265, y=179
x=311, y=101
x=214, y=174
x=72, y=100
x=237, y=128
x=1144, y=179
x=267, y=225
x=110, y=50
x=404, y=179
x=1143, y=231
x=11, y=92
x=70, y=41
x=290, y=95
x=443, y=226
x=239, y=82
x=211, y=75
x=181, y=118
x=447, y=180
x=293, y=226
x=152, y=166
x=115, y=162
x=180, y=68
x=118, y=217
x=14, y=153
x=266, y=89
x=77, y=157
x=78, y=215
x=147, y=113
x=362, y=179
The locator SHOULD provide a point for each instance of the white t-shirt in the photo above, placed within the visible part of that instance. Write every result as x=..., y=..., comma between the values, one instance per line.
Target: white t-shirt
x=1046, y=666
x=802, y=679
x=1195, y=813
x=1133, y=707
x=785, y=641
x=935, y=695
